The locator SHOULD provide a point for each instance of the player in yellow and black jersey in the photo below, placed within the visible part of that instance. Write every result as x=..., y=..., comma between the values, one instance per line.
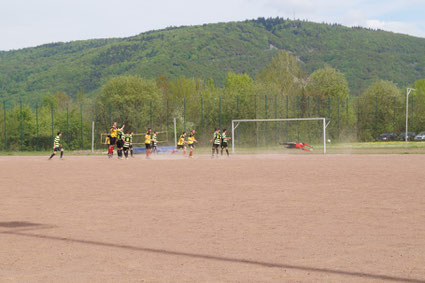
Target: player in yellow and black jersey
x=224, y=144
x=148, y=142
x=216, y=140
x=181, y=143
x=154, y=143
x=120, y=141
x=191, y=142
x=113, y=132
x=57, y=146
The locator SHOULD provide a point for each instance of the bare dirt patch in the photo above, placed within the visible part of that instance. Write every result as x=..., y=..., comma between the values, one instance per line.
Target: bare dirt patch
x=268, y=218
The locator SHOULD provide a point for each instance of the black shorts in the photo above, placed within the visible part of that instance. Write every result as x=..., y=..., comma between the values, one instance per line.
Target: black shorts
x=191, y=145
x=224, y=145
x=112, y=141
x=120, y=143
x=131, y=146
x=180, y=146
x=215, y=145
x=148, y=145
x=125, y=148
x=57, y=148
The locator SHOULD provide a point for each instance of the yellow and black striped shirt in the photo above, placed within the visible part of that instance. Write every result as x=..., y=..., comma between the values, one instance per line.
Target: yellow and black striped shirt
x=57, y=141
x=181, y=140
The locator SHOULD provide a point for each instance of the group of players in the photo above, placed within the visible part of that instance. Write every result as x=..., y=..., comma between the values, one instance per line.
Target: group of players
x=124, y=143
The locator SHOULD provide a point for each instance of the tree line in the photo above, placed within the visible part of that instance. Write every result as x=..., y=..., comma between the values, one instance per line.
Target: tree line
x=281, y=90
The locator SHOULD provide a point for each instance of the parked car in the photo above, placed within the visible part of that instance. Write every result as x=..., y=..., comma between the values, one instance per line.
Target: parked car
x=387, y=137
x=420, y=136
x=410, y=136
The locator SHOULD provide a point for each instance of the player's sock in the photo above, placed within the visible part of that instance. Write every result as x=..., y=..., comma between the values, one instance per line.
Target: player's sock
x=216, y=151
x=221, y=151
x=190, y=154
x=184, y=151
x=61, y=154
x=53, y=154
x=126, y=153
x=227, y=151
x=131, y=152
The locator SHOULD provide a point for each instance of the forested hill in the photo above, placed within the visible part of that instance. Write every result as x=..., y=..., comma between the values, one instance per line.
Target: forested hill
x=211, y=51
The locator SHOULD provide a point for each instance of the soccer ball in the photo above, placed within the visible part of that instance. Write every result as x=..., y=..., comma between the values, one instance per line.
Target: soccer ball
x=329, y=141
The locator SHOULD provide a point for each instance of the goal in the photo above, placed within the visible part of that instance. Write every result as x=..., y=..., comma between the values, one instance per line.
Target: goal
x=315, y=128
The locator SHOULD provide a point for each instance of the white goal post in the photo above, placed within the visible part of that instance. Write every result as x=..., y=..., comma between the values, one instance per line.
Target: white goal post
x=235, y=124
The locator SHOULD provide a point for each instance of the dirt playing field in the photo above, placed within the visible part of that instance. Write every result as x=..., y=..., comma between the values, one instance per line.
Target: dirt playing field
x=264, y=218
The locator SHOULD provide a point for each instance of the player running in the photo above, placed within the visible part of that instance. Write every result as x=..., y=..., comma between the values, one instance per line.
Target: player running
x=224, y=144
x=148, y=143
x=181, y=144
x=191, y=142
x=300, y=145
x=57, y=146
x=216, y=140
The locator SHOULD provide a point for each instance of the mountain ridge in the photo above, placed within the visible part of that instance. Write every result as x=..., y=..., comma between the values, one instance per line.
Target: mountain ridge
x=211, y=51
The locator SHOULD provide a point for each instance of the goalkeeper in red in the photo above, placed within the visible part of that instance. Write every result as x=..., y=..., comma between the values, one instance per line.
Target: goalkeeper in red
x=298, y=145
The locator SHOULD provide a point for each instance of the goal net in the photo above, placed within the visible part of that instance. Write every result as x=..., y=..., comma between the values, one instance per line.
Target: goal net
x=267, y=134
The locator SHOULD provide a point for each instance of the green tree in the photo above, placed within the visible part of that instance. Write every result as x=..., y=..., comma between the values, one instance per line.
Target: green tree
x=417, y=116
x=130, y=99
x=282, y=76
x=327, y=82
x=376, y=110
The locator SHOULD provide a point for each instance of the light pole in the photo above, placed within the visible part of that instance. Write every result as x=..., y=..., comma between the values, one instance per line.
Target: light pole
x=407, y=113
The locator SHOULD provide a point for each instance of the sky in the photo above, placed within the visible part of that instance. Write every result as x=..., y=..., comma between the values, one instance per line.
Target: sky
x=27, y=23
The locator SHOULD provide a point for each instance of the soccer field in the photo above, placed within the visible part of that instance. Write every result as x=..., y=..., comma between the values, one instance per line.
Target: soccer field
x=249, y=218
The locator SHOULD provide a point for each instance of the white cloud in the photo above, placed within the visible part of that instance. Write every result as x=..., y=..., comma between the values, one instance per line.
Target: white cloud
x=399, y=27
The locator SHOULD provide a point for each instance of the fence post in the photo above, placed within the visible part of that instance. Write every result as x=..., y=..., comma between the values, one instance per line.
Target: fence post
x=287, y=116
x=150, y=114
x=237, y=106
x=122, y=113
x=5, y=126
x=308, y=106
x=275, y=116
x=412, y=115
x=347, y=104
x=166, y=120
x=339, y=129
x=184, y=113
x=318, y=108
x=67, y=124
x=202, y=115
x=21, y=125
x=36, y=125
x=394, y=113
x=110, y=114
x=51, y=110
x=81, y=112
x=376, y=116
x=137, y=115
x=329, y=107
x=219, y=111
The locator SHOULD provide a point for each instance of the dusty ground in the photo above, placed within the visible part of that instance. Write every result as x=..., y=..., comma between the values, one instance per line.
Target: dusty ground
x=264, y=218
